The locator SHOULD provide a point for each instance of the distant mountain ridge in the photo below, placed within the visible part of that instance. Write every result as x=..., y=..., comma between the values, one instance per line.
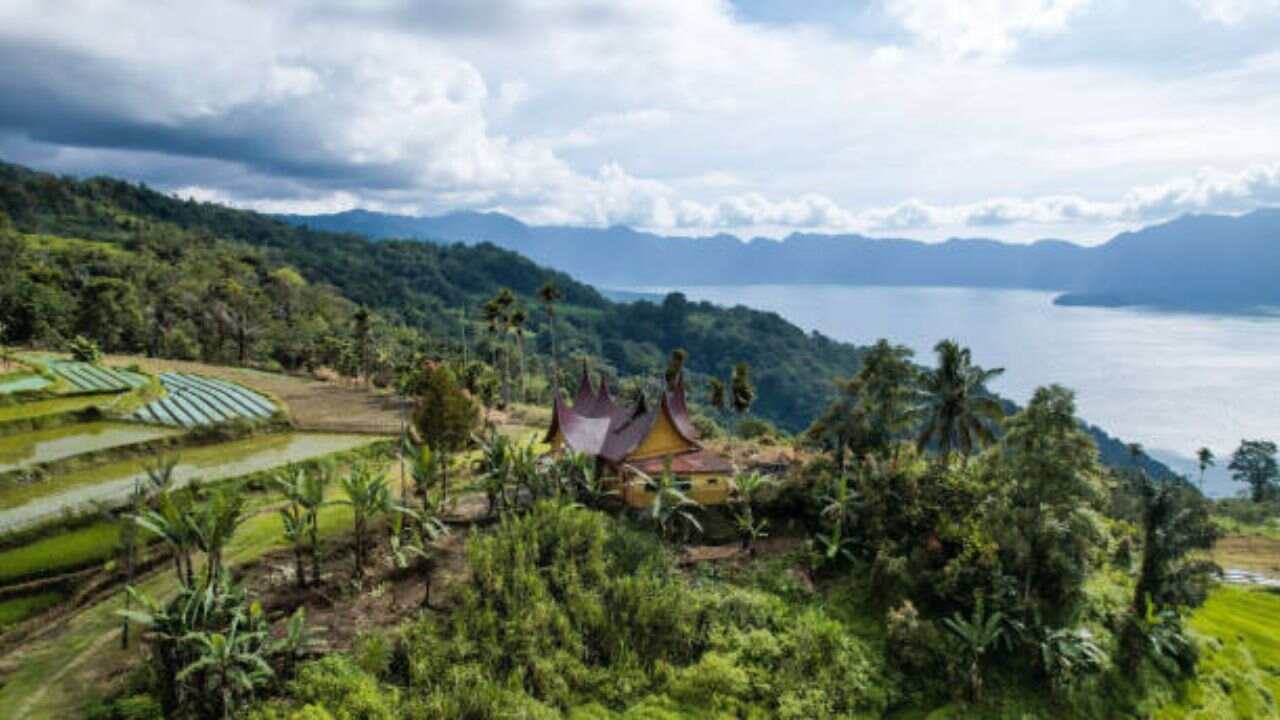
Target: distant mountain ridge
x=1199, y=262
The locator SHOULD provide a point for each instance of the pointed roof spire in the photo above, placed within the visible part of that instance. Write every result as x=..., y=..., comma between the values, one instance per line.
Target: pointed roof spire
x=585, y=396
x=603, y=393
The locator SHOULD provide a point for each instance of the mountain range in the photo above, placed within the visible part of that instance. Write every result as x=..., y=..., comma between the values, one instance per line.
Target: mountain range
x=1196, y=262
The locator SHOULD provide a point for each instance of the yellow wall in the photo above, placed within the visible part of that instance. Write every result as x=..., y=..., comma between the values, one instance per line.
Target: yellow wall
x=663, y=439
x=708, y=489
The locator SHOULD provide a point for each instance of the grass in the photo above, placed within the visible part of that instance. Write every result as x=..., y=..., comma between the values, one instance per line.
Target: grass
x=55, y=406
x=15, y=610
x=59, y=553
x=1245, y=622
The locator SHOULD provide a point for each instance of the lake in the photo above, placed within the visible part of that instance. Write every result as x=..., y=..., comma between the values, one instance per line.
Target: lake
x=1171, y=381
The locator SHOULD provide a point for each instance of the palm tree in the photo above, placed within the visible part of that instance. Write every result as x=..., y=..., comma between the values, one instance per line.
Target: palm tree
x=742, y=393
x=504, y=300
x=957, y=411
x=515, y=322
x=363, y=332
x=715, y=394
x=1204, y=458
x=550, y=294
x=368, y=497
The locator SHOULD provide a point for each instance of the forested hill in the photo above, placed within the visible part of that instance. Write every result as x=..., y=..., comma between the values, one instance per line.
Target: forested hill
x=140, y=271
x=1201, y=262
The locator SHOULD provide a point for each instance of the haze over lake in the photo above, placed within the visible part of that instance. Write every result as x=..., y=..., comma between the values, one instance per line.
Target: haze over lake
x=1171, y=381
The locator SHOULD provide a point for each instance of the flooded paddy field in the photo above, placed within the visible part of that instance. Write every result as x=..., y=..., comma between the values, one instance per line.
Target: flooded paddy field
x=42, y=446
x=25, y=504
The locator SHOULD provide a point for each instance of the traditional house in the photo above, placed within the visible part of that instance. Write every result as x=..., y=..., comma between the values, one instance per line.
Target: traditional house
x=632, y=445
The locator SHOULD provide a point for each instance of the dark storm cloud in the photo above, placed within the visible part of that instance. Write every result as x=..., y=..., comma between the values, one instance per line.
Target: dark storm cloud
x=73, y=99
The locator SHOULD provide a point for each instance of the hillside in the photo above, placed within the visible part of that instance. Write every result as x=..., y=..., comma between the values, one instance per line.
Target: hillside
x=201, y=274
x=1194, y=262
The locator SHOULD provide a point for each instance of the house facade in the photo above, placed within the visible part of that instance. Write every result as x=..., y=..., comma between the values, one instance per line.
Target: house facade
x=633, y=445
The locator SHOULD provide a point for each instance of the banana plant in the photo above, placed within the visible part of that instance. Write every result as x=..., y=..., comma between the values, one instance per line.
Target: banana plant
x=671, y=508
x=978, y=635
x=747, y=488
x=368, y=497
x=233, y=663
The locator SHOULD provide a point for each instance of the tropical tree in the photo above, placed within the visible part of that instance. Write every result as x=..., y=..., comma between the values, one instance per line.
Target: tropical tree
x=170, y=518
x=742, y=392
x=1050, y=470
x=311, y=496
x=516, y=320
x=550, y=294
x=367, y=494
x=6, y=355
x=445, y=417
x=671, y=509
x=978, y=635
x=233, y=663
x=958, y=412
x=214, y=522
x=1205, y=460
x=715, y=394
x=1254, y=463
x=363, y=331
x=873, y=408
x=675, y=367
x=293, y=517
x=747, y=490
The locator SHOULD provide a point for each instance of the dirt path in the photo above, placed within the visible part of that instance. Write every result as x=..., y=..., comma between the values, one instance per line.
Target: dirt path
x=312, y=404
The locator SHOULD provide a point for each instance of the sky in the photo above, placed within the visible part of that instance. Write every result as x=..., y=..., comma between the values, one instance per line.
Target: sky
x=1010, y=119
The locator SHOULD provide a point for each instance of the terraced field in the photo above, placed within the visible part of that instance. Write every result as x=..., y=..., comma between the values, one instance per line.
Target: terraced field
x=22, y=382
x=27, y=504
x=83, y=377
x=43, y=446
x=195, y=401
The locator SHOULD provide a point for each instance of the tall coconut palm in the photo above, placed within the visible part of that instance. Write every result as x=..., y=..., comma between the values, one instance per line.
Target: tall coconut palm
x=958, y=414
x=550, y=294
x=363, y=334
x=516, y=320
x=1204, y=458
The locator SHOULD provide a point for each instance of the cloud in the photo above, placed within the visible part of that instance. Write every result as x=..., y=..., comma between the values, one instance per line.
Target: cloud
x=670, y=114
x=962, y=28
x=1233, y=12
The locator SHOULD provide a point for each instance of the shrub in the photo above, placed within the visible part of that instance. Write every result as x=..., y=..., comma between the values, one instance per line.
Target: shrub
x=346, y=691
x=84, y=350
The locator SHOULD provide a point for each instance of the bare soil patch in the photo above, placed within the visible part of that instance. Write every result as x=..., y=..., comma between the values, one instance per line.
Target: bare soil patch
x=1249, y=552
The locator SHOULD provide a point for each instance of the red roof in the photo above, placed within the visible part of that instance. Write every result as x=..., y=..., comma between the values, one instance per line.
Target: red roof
x=598, y=426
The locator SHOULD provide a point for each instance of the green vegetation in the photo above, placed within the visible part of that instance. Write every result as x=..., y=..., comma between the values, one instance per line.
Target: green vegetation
x=15, y=610
x=59, y=553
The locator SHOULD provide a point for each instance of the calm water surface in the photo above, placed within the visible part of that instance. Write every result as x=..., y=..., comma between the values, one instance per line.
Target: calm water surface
x=1171, y=381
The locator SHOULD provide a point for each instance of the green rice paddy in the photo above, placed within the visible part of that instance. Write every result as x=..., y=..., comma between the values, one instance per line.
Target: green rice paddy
x=54, y=406
x=15, y=610
x=49, y=445
x=59, y=553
